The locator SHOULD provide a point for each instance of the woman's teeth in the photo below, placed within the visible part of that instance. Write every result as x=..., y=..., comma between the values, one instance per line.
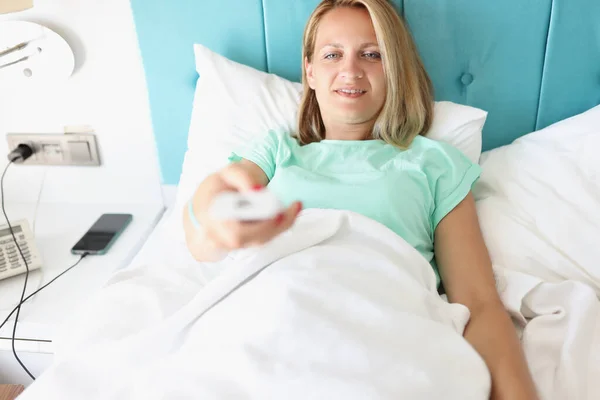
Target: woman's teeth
x=351, y=91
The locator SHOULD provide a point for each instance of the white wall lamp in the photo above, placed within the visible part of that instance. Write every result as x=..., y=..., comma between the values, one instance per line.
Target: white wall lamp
x=31, y=53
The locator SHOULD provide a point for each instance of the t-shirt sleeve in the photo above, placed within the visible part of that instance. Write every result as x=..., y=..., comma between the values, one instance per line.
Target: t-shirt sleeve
x=453, y=178
x=261, y=151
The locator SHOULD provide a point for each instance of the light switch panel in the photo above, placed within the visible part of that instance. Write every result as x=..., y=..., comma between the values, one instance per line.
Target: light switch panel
x=58, y=149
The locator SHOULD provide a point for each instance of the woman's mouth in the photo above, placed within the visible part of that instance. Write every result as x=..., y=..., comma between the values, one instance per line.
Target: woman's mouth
x=351, y=93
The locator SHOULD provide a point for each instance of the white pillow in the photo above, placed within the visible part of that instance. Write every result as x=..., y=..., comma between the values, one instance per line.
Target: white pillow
x=234, y=104
x=538, y=201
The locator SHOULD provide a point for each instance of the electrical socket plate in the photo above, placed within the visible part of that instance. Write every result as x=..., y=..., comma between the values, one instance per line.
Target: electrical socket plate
x=58, y=149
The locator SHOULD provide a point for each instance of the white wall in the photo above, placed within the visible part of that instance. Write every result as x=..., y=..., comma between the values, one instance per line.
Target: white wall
x=107, y=91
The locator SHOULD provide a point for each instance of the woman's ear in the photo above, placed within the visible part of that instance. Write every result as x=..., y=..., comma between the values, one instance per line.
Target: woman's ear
x=309, y=74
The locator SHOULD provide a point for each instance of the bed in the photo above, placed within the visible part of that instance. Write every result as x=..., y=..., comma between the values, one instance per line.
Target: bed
x=517, y=90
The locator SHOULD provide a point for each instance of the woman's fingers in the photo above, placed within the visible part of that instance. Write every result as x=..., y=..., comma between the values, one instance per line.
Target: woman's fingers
x=258, y=233
x=289, y=216
x=235, y=234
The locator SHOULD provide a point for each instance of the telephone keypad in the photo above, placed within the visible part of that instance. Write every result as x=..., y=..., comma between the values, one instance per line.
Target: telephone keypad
x=17, y=251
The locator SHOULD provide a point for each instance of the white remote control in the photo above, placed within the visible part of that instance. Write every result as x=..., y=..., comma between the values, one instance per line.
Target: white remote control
x=246, y=206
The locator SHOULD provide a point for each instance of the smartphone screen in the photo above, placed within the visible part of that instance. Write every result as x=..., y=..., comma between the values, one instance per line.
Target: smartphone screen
x=102, y=234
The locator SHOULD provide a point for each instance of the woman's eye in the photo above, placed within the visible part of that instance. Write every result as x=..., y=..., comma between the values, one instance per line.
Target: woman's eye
x=372, y=55
x=331, y=56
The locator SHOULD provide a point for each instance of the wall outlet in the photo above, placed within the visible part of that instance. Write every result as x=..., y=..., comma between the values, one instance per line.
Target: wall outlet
x=58, y=149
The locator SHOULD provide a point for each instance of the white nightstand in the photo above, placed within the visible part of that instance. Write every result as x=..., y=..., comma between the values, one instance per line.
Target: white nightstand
x=57, y=228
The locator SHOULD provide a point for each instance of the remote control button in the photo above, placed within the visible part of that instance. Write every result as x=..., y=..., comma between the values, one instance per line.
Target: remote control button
x=10, y=246
x=15, y=266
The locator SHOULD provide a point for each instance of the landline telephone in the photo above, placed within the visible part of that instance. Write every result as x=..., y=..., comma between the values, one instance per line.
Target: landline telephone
x=11, y=262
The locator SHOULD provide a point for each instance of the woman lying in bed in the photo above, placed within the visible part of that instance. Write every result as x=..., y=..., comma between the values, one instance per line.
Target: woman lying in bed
x=367, y=101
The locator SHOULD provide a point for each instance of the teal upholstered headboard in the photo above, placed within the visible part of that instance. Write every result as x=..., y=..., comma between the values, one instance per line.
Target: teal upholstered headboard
x=529, y=63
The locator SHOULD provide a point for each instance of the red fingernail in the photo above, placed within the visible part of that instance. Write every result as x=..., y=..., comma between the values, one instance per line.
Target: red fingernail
x=279, y=219
x=257, y=187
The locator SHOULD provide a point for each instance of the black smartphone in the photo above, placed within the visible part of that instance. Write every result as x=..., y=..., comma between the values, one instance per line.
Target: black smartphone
x=104, y=232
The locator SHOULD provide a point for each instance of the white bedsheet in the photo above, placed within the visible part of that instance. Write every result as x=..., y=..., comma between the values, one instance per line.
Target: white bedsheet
x=166, y=246
x=339, y=307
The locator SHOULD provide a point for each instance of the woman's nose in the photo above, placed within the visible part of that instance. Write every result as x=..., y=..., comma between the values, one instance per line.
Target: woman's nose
x=351, y=69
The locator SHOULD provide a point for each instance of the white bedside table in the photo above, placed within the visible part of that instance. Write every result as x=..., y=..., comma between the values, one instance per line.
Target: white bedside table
x=57, y=229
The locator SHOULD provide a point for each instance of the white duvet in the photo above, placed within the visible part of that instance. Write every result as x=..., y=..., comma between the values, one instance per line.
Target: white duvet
x=339, y=307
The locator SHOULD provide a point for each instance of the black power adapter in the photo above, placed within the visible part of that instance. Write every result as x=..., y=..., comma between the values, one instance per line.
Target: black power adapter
x=20, y=154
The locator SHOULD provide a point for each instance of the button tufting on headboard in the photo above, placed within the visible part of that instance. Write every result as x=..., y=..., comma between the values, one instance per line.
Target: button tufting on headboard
x=466, y=79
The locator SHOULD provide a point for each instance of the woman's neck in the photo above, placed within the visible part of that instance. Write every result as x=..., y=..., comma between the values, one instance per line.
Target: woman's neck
x=349, y=131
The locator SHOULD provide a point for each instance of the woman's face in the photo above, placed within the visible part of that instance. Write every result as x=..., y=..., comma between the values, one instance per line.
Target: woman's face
x=346, y=71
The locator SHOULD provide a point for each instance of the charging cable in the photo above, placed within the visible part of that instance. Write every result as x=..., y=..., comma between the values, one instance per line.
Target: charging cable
x=22, y=256
x=84, y=255
x=19, y=155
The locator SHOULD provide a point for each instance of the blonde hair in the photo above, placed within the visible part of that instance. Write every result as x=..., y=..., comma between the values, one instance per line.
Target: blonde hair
x=408, y=107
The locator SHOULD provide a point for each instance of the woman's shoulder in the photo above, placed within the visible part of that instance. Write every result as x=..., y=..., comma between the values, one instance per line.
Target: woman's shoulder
x=281, y=136
x=269, y=140
x=424, y=143
x=434, y=157
x=430, y=150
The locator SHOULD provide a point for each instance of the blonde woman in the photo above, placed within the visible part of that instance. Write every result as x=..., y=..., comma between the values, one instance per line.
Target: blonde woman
x=367, y=102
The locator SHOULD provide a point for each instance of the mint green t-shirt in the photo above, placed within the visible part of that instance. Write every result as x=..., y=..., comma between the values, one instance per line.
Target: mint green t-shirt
x=409, y=191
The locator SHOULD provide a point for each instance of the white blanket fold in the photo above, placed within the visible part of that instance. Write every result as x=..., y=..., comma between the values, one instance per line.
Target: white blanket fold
x=560, y=330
